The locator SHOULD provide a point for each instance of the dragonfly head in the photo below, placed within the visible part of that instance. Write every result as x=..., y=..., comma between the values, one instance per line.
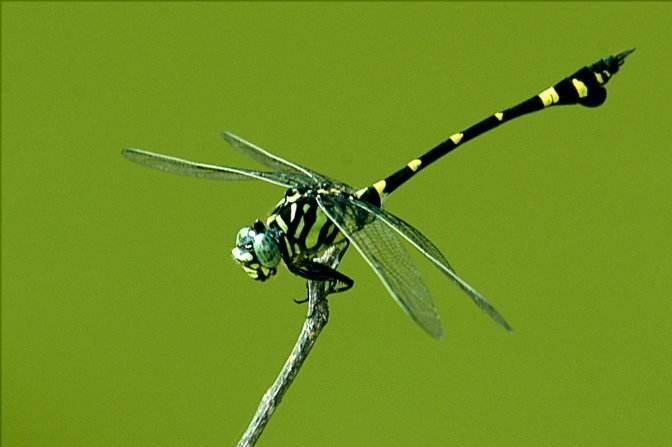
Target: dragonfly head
x=257, y=251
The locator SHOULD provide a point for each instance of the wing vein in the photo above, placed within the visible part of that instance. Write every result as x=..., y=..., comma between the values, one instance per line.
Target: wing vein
x=382, y=249
x=179, y=166
x=433, y=254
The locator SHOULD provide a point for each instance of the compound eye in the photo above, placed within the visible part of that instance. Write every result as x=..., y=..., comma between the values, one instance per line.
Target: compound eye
x=266, y=250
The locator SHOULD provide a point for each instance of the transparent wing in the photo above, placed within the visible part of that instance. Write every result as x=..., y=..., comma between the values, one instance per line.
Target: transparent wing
x=193, y=169
x=382, y=249
x=276, y=163
x=431, y=252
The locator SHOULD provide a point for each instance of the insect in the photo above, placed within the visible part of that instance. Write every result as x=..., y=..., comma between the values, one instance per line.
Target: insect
x=318, y=213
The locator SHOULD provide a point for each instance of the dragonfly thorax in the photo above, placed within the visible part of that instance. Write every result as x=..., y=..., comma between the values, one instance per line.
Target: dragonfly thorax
x=257, y=250
x=305, y=232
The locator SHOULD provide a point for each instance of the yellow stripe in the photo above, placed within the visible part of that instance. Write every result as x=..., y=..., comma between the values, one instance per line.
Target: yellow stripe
x=339, y=238
x=299, y=227
x=499, y=116
x=599, y=78
x=380, y=187
x=313, y=236
x=414, y=164
x=293, y=212
x=294, y=197
x=580, y=87
x=549, y=96
x=456, y=138
x=281, y=223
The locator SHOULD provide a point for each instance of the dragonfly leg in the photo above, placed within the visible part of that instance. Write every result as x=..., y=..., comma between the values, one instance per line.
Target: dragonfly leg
x=305, y=300
x=338, y=282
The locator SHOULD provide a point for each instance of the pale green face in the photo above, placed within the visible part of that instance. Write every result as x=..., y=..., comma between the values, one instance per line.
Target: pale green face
x=257, y=252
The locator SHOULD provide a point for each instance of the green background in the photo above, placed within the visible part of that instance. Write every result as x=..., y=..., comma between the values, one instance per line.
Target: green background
x=124, y=321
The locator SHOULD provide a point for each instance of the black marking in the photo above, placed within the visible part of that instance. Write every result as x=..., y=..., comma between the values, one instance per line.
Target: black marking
x=324, y=231
x=329, y=239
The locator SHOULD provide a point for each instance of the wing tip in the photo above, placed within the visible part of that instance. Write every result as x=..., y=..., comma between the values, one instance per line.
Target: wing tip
x=229, y=137
x=438, y=335
x=131, y=153
x=506, y=326
x=494, y=315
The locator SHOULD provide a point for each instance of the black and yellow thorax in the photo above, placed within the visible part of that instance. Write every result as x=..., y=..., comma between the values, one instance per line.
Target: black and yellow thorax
x=307, y=232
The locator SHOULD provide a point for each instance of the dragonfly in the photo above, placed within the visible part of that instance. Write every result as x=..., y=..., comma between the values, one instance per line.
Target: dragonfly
x=318, y=213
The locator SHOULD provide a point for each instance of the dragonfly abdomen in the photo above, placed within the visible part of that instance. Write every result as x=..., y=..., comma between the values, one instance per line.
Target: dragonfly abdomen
x=585, y=87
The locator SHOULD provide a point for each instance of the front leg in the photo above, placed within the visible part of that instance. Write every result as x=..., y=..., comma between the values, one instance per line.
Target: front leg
x=338, y=282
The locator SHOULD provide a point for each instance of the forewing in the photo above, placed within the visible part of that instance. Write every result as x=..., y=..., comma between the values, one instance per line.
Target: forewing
x=275, y=162
x=382, y=249
x=184, y=167
x=431, y=252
